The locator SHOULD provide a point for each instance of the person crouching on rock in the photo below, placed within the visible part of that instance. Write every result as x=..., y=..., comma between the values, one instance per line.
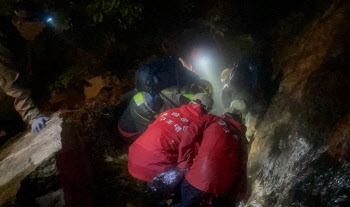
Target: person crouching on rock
x=192, y=156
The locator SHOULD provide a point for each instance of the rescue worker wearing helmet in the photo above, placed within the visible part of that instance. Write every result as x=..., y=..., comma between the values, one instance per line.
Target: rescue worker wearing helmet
x=162, y=73
x=217, y=170
x=237, y=92
x=144, y=108
x=239, y=95
x=193, y=155
x=14, y=63
x=157, y=149
x=150, y=79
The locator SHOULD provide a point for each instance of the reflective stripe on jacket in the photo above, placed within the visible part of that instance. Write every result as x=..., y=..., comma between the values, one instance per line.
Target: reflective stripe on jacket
x=141, y=114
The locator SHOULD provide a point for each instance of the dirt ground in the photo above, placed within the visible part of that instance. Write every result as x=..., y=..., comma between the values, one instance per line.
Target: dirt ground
x=95, y=121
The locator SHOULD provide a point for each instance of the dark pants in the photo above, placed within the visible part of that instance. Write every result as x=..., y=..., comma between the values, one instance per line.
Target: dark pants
x=186, y=195
x=189, y=196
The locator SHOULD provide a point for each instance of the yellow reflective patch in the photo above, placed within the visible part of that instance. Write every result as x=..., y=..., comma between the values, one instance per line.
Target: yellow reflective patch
x=138, y=97
x=189, y=96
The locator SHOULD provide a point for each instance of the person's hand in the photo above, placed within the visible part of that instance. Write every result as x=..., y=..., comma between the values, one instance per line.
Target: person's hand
x=39, y=124
x=168, y=180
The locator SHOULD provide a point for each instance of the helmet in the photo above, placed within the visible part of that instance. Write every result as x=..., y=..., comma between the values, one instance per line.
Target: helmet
x=225, y=76
x=204, y=86
x=238, y=107
x=204, y=99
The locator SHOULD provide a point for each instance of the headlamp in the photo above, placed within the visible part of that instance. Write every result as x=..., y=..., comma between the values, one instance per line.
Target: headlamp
x=49, y=19
x=203, y=62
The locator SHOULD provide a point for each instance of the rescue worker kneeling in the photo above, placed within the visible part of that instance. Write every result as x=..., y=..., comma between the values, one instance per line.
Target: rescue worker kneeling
x=144, y=108
x=193, y=155
x=239, y=95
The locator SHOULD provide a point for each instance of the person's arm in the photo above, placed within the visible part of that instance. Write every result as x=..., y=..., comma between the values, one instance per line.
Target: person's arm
x=141, y=110
x=189, y=144
x=225, y=97
x=126, y=124
x=23, y=103
x=173, y=100
x=142, y=119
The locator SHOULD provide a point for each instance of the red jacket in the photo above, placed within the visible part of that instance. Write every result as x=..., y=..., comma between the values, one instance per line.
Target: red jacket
x=164, y=144
x=220, y=164
x=212, y=148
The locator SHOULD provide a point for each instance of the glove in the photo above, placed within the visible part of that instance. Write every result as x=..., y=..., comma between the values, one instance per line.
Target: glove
x=167, y=181
x=39, y=124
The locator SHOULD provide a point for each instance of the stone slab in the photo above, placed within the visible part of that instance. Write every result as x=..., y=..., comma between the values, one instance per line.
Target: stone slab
x=22, y=154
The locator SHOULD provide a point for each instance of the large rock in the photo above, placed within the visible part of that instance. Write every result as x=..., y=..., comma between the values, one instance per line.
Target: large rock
x=300, y=153
x=23, y=154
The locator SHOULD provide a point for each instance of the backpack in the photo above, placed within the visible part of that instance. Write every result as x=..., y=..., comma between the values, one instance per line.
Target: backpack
x=163, y=73
x=242, y=75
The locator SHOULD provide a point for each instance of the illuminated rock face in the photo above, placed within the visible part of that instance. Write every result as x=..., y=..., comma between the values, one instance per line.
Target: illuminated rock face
x=47, y=169
x=301, y=152
x=23, y=154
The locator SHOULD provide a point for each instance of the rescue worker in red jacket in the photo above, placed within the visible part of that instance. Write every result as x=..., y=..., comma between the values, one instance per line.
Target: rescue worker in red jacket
x=157, y=149
x=211, y=152
x=218, y=171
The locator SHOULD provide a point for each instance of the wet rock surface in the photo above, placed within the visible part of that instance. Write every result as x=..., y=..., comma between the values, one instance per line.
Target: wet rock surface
x=300, y=153
x=21, y=155
x=41, y=187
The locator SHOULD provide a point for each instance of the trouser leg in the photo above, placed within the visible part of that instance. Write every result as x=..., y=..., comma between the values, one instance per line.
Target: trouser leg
x=189, y=195
x=221, y=202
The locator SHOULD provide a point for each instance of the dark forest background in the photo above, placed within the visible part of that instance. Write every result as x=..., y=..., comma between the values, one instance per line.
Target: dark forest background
x=95, y=37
